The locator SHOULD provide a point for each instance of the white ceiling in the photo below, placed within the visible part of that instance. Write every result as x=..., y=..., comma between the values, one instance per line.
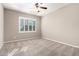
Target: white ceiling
x=30, y=7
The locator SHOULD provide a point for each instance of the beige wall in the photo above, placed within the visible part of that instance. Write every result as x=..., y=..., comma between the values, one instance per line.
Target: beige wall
x=11, y=30
x=62, y=25
x=1, y=25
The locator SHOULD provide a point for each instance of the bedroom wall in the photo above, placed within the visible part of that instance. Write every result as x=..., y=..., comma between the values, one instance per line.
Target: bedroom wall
x=1, y=25
x=62, y=25
x=11, y=27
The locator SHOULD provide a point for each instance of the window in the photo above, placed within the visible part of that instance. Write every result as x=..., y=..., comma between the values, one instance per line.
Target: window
x=27, y=24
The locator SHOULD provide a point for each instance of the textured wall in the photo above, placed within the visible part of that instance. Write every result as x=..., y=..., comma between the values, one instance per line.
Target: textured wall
x=62, y=25
x=11, y=26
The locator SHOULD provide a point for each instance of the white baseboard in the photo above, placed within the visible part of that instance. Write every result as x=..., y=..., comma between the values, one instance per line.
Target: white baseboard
x=62, y=43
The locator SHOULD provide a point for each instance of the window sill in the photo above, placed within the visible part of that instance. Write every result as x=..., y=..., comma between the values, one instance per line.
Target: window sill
x=26, y=31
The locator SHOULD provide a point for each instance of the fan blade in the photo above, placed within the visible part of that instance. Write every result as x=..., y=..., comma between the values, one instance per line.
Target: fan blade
x=36, y=4
x=43, y=7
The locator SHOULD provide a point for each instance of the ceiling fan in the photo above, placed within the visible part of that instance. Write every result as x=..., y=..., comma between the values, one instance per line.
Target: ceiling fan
x=38, y=5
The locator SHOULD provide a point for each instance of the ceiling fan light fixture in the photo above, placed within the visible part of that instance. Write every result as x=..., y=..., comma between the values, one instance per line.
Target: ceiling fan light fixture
x=38, y=6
